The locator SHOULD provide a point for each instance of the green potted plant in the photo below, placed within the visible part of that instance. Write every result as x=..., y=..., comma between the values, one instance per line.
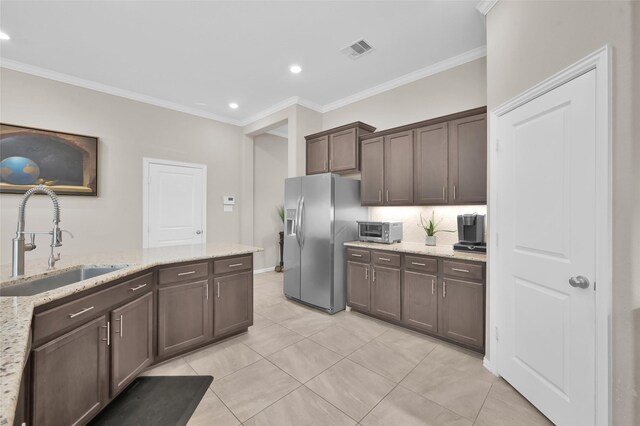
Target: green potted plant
x=279, y=267
x=431, y=228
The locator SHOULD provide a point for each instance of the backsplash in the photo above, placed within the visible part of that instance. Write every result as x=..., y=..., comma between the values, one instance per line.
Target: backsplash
x=410, y=217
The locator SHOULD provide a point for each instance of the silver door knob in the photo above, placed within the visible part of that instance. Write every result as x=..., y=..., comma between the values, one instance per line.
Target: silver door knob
x=579, y=282
x=198, y=232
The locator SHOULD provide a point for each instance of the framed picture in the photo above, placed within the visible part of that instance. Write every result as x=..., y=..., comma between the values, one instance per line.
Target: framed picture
x=66, y=163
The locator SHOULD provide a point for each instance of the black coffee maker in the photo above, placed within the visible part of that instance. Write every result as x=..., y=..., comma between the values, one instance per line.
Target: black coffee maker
x=471, y=233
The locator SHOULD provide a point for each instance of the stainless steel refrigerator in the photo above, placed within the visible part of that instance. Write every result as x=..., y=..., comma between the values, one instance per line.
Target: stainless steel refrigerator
x=320, y=215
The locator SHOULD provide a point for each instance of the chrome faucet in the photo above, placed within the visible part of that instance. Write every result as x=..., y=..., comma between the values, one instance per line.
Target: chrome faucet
x=19, y=246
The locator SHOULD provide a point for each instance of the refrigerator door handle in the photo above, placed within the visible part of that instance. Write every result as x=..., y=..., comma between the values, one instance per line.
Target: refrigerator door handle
x=297, y=224
x=301, y=222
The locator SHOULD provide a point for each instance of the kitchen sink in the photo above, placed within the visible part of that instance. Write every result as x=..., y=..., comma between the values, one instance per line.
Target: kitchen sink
x=61, y=279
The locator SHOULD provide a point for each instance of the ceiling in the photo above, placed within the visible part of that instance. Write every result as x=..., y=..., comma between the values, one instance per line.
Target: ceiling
x=200, y=56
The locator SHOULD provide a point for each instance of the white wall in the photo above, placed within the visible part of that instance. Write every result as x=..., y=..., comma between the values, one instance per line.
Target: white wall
x=530, y=41
x=127, y=132
x=270, y=171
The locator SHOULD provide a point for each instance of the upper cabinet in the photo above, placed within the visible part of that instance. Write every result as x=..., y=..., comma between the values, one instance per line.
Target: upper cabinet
x=435, y=162
x=336, y=150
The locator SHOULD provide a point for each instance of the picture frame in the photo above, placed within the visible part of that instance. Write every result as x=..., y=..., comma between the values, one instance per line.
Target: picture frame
x=67, y=163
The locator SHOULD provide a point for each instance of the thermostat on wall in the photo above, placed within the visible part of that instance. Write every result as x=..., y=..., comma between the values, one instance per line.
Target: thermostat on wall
x=229, y=200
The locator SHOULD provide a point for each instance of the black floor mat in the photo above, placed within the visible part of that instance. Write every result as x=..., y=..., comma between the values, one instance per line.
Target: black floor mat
x=155, y=401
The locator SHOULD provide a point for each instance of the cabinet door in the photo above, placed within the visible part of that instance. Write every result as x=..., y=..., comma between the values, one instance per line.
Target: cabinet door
x=372, y=183
x=431, y=165
x=318, y=155
x=343, y=151
x=461, y=311
x=131, y=341
x=398, y=169
x=468, y=160
x=233, y=302
x=385, y=289
x=183, y=316
x=358, y=286
x=71, y=376
x=420, y=301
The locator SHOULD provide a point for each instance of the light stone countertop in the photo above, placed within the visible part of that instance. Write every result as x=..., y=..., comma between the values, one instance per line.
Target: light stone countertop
x=421, y=248
x=16, y=312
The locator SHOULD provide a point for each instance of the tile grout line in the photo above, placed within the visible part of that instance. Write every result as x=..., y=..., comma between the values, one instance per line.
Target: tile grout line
x=484, y=401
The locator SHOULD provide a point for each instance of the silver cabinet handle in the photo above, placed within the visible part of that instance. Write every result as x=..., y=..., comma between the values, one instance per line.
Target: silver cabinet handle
x=444, y=289
x=356, y=255
x=373, y=277
x=218, y=289
x=330, y=164
x=579, y=282
x=454, y=192
x=444, y=193
x=235, y=265
x=207, y=291
x=186, y=273
x=108, y=327
x=385, y=259
x=138, y=287
x=433, y=286
x=418, y=264
x=81, y=312
x=460, y=270
x=387, y=195
x=121, y=332
x=366, y=273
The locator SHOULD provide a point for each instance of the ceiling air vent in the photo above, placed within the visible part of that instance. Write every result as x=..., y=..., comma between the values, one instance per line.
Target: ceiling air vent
x=357, y=49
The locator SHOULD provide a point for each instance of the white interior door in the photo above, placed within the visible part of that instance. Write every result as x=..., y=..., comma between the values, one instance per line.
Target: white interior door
x=176, y=203
x=546, y=211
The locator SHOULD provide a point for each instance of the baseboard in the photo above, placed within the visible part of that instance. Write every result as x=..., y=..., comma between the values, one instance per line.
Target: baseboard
x=489, y=366
x=260, y=271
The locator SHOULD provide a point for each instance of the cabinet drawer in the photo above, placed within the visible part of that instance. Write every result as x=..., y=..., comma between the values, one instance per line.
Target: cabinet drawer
x=183, y=273
x=386, y=259
x=356, y=255
x=231, y=265
x=473, y=271
x=74, y=313
x=421, y=264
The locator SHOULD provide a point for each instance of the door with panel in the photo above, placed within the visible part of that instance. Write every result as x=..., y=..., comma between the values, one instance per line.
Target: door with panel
x=131, y=341
x=431, y=164
x=385, y=292
x=461, y=311
x=71, y=376
x=468, y=160
x=398, y=169
x=359, y=286
x=372, y=180
x=183, y=316
x=318, y=155
x=343, y=151
x=232, y=303
x=420, y=301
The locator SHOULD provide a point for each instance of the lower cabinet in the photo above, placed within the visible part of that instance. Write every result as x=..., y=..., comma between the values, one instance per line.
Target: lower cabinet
x=183, y=316
x=462, y=311
x=131, y=341
x=71, y=376
x=358, y=286
x=420, y=301
x=233, y=302
x=385, y=293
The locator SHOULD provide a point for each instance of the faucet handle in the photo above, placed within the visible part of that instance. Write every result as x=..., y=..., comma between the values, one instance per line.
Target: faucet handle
x=32, y=245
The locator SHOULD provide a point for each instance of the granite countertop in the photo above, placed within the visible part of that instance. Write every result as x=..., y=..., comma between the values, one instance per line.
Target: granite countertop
x=16, y=312
x=421, y=248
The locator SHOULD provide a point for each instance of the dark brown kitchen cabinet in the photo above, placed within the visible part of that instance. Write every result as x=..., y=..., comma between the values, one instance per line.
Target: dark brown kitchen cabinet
x=131, y=340
x=431, y=165
x=420, y=301
x=318, y=155
x=461, y=311
x=372, y=179
x=183, y=316
x=385, y=293
x=233, y=302
x=468, y=160
x=336, y=150
x=71, y=376
x=359, y=286
x=398, y=169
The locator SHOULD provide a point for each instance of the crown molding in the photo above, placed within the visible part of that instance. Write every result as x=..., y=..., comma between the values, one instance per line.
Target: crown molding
x=294, y=100
x=484, y=6
x=278, y=134
x=438, y=67
x=110, y=90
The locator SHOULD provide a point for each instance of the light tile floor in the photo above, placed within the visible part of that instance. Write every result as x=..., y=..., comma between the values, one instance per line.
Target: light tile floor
x=299, y=366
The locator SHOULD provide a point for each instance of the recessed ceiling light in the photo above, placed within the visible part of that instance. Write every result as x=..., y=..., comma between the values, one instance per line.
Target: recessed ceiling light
x=295, y=69
x=233, y=105
x=4, y=36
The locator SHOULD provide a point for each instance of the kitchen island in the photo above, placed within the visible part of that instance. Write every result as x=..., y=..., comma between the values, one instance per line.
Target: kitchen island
x=143, y=267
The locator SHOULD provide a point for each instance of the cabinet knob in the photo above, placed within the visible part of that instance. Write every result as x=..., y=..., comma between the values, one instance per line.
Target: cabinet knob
x=199, y=231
